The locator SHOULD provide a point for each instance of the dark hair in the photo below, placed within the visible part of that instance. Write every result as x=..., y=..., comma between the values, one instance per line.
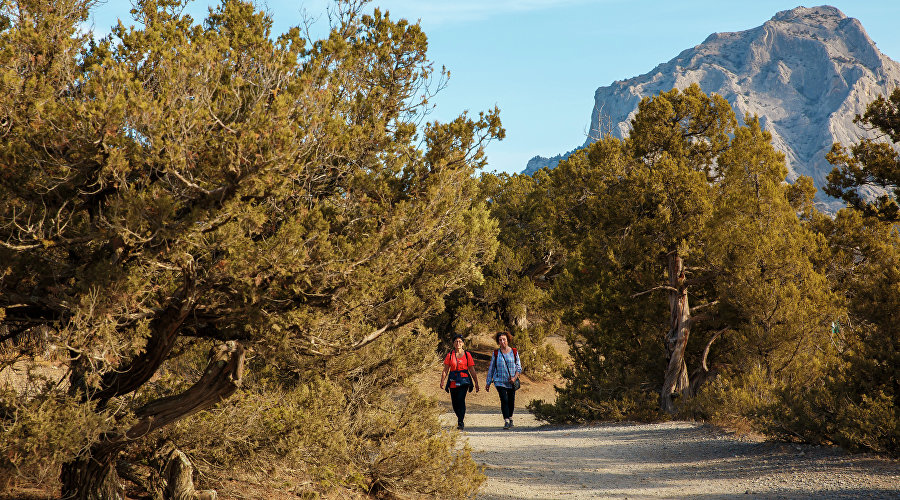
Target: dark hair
x=457, y=336
x=497, y=335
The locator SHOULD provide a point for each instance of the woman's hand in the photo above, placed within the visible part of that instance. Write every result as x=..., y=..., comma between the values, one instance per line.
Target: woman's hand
x=442, y=383
x=477, y=389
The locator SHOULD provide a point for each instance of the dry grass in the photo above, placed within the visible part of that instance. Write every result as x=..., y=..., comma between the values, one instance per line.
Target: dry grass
x=27, y=493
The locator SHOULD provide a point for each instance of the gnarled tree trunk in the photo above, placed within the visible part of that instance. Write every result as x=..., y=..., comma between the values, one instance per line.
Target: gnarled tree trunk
x=676, y=380
x=165, y=327
x=91, y=476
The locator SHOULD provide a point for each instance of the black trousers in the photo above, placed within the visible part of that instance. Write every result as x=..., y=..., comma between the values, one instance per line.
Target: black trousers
x=507, y=401
x=458, y=399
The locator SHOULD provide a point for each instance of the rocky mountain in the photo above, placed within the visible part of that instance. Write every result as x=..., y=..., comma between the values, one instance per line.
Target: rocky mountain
x=806, y=73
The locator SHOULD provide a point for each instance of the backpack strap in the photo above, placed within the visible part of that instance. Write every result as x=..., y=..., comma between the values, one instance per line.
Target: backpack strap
x=506, y=363
x=468, y=357
x=494, y=359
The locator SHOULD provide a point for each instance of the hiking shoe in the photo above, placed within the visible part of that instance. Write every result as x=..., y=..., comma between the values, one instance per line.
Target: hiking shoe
x=507, y=424
x=460, y=426
x=510, y=423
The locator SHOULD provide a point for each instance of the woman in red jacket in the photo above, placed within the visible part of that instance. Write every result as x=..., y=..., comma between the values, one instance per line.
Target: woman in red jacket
x=458, y=364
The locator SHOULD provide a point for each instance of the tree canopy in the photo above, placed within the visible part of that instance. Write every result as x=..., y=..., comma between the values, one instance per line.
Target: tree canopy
x=856, y=401
x=776, y=316
x=180, y=186
x=867, y=174
x=688, y=261
x=244, y=247
x=515, y=294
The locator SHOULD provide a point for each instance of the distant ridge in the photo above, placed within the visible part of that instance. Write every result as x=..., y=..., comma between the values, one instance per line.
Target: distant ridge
x=539, y=162
x=806, y=72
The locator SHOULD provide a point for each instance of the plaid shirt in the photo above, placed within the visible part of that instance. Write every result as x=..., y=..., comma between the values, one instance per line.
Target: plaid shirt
x=502, y=367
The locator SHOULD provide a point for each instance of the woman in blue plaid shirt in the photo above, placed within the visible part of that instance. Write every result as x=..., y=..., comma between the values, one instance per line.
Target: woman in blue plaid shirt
x=503, y=372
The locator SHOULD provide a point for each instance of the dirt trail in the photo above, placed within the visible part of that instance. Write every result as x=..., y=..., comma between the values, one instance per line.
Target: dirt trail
x=668, y=460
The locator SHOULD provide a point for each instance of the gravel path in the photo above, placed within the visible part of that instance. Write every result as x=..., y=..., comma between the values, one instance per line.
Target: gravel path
x=668, y=460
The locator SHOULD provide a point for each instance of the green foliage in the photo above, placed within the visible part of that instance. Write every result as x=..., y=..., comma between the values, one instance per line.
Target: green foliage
x=513, y=295
x=856, y=402
x=870, y=163
x=573, y=408
x=179, y=184
x=686, y=182
x=40, y=433
x=380, y=444
x=741, y=401
x=611, y=386
x=775, y=302
x=766, y=285
x=831, y=414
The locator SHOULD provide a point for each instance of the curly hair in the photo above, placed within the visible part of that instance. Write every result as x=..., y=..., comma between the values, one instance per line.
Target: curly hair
x=509, y=337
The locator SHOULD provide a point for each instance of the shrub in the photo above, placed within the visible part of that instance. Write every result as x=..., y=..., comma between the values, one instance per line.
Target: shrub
x=38, y=434
x=390, y=445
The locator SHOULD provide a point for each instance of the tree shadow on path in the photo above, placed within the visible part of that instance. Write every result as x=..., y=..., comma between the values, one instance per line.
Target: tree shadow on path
x=667, y=460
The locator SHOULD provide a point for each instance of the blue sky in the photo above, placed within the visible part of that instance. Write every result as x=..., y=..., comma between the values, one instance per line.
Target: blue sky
x=540, y=61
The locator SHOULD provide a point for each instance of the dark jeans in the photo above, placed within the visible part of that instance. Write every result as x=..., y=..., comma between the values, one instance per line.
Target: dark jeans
x=507, y=401
x=458, y=398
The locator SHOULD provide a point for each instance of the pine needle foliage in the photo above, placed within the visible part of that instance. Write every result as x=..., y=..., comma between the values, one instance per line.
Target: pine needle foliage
x=855, y=402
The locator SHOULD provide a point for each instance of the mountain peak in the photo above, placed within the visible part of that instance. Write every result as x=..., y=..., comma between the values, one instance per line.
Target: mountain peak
x=809, y=15
x=823, y=23
x=807, y=72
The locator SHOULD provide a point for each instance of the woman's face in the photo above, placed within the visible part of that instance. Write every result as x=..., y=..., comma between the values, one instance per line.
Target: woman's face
x=503, y=341
x=458, y=344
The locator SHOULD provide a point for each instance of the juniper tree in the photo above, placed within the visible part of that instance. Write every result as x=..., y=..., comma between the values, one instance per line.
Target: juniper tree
x=690, y=207
x=854, y=397
x=179, y=184
x=514, y=295
x=871, y=164
x=855, y=402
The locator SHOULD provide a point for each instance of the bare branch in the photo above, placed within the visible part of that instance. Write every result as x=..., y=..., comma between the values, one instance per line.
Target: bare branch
x=376, y=333
x=704, y=306
x=19, y=248
x=188, y=183
x=708, y=344
x=324, y=348
x=661, y=287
